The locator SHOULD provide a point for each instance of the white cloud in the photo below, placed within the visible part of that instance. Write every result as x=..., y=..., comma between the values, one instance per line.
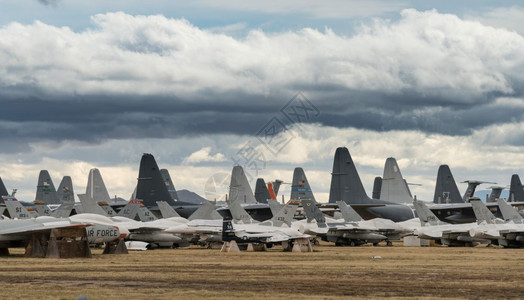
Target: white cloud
x=431, y=53
x=511, y=18
x=203, y=155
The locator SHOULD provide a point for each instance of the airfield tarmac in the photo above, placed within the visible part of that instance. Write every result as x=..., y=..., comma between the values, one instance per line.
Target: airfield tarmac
x=329, y=272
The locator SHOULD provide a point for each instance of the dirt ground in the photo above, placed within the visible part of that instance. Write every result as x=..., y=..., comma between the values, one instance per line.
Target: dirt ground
x=329, y=272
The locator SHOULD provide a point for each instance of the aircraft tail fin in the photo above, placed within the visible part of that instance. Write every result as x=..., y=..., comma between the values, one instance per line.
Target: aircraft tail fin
x=446, y=190
x=3, y=190
x=348, y=213
x=482, y=212
x=145, y=215
x=65, y=191
x=167, y=210
x=42, y=210
x=261, y=191
x=107, y=208
x=239, y=213
x=425, y=215
x=64, y=210
x=45, y=189
x=516, y=192
x=169, y=184
x=284, y=216
x=130, y=209
x=91, y=206
x=345, y=182
x=274, y=206
x=206, y=211
x=394, y=187
x=508, y=212
x=96, y=188
x=495, y=193
x=16, y=209
x=276, y=186
x=377, y=187
x=313, y=212
x=300, y=188
x=151, y=186
x=239, y=189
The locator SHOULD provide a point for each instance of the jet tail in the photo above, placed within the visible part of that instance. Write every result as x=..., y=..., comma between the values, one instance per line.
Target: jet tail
x=239, y=189
x=16, y=209
x=145, y=215
x=64, y=210
x=482, y=212
x=377, y=187
x=130, y=209
x=425, y=215
x=239, y=213
x=65, y=191
x=348, y=213
x=169, y=184
x=151, y=187
x=167, y=210
x=394, y=187
x=313, y=212
x=261, y=191
x=274, y=206
x=284, y=216
x=206, y=211
x=345, y=182
x=300, y=188
x=45, y=189
x=516, y=192
x=446, y=190
x=91, y=206
x=96, y=189
x=509, y=213
x=3, y=190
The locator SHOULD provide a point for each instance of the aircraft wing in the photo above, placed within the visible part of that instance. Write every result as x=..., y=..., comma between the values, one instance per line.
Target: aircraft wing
x=12, y=227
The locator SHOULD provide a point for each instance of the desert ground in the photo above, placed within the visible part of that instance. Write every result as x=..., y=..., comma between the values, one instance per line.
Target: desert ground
x=328, y=273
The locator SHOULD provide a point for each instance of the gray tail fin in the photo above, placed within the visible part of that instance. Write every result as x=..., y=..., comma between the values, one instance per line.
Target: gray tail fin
x=206, y=211
x=516, y=192
x=107, y=208
x=425, y=215
x=65, y=191
x=394, y=187
x=145, y=215
x=16, y=209
x=261, y=191
x=482, y=212
x=313, y=212
x=151, y=186
x=169, y=184
x=284, y=216
x=470, y=190
x=274, y=206
x=377, y=187
x=64, y=210
x=167, y=210
x=239, y=189
x=91, y=206
x=42, y=210
x=345, y=182
x=45, y=189
x=300, y=188
x=96, y=189
x=239, y=213
x=495, y=193
x=3, y=190
x=508, y=212
x=446, y=190
x=276, y=186
x=130, y=209
x=348, y=213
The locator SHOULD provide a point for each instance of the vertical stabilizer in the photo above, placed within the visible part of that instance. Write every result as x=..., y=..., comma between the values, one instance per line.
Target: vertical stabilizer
x=167, y=210
x=96, y=189
x=169, y=184
x=206, y=211
x=482, y=212
x=16, y=209
x=239, y=213
x=274, y=206
x=348, y=213
x=345, y=182
x=509, y=213
x=446, y=190
x=130, y=209
x=276, y=186
x=394, y=187
x=65, y=191
x=151, y=186
x=145, y=215
x=425, y=215
x=91, y=206
x=496, y=191
x=377, y=187
x=261, y=191
x=45, y=189
x=3, y=190
x=313, y=212
x=64, y=210
x=239, y=189
x=516, y=192
x=300, y=189
x=284, y=216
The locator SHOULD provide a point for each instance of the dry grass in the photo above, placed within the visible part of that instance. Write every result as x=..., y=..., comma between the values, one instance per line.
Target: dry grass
x=330, y=272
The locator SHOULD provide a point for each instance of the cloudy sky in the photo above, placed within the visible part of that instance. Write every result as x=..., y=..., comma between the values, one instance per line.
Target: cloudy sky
x=204, y=85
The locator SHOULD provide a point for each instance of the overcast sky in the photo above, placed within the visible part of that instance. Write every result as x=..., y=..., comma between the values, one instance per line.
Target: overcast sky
x=88, y=84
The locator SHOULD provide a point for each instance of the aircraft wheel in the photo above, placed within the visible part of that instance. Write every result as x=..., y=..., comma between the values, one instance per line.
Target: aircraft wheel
x=375, y=244
x=389, y=243
x=352, y=244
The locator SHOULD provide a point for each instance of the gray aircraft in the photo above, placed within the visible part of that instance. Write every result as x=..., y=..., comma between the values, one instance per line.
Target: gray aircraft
x=516, y=191
x=346, y=186
x=393, y=187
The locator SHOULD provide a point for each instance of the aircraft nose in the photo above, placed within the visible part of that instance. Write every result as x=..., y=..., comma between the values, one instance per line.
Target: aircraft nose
x=124, y=232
